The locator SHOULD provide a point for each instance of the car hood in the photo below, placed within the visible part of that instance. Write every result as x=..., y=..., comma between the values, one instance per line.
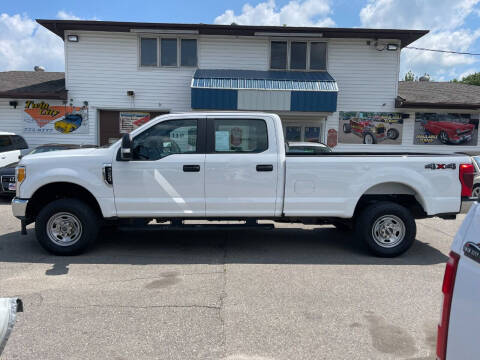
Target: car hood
x=59, y=154
x=65, y=157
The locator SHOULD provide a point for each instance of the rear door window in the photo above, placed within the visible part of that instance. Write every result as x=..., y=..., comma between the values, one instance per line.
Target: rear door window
x=240, y=135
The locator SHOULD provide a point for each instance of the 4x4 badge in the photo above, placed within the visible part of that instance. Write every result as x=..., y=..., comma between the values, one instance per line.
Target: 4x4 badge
x=472, y=251
x=433, y=166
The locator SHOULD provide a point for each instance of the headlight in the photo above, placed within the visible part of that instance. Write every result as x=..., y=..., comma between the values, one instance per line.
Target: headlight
x=20, y=174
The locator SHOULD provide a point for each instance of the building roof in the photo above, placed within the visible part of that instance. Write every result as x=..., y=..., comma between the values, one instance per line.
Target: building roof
x=433, y=94
x=32, y=85
x=60, y=26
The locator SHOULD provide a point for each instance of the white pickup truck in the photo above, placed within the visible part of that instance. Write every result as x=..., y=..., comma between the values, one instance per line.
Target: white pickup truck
x=232, y=166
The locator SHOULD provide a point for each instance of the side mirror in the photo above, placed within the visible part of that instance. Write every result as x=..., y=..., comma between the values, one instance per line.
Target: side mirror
x=126, y=149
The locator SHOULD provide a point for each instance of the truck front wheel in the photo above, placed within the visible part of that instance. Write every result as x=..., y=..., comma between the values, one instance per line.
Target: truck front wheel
x=388, y=229
x=66, y=227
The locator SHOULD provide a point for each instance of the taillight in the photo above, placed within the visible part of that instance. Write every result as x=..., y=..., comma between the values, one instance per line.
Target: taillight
x=447, y=291
x=466, y=178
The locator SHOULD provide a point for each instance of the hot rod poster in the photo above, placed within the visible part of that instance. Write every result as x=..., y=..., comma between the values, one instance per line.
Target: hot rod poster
x=43, y=118
x=445, y=129
x=357, y=127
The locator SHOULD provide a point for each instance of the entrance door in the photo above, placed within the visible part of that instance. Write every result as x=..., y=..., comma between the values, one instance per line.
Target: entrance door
x=165, y=177
x=309, y=131
x=241, y=167
x=110, y=125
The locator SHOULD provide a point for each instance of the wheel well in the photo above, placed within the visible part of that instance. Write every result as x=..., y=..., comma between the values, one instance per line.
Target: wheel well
x=395, y=192
x=59, y=190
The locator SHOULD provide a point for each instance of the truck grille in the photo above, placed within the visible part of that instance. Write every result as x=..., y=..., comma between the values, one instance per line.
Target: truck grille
x=7, y=179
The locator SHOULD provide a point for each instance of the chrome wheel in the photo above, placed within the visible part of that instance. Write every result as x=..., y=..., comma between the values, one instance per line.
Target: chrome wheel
x=388, y=231
x=444, y=137
x=368, y=139
x=64, y=229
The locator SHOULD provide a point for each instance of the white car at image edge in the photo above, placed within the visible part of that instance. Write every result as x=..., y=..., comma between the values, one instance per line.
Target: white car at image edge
x=10, y=146
x=459, y=327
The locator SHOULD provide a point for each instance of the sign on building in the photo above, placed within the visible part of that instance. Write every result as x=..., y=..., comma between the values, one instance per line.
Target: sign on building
x=43, y=118
x=356, y=127
x=129, y=120
x=445, y=129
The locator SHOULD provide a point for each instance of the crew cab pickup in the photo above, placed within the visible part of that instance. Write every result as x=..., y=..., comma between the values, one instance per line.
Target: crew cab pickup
x=232, y=166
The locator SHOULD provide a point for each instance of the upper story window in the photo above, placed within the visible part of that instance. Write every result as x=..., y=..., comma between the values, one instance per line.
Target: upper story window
x=148, y=52
x=168, y=52
x=298, y=55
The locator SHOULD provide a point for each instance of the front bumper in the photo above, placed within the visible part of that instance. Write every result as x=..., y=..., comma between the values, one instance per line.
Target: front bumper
x=461, y=138
x=19, y=208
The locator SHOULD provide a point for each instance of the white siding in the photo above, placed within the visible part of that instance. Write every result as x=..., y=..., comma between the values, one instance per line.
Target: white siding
x=12, y=120
x=233, y=53
x=367, y=81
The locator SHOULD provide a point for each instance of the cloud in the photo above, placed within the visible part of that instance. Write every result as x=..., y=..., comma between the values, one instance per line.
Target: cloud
x=446, y=21
x=24, y=44
x=64, y=15
x=294, y=13
x=434, y=15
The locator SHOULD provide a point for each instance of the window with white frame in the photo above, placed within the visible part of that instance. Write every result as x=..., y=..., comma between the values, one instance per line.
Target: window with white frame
x=298, y=55
x=167, y=52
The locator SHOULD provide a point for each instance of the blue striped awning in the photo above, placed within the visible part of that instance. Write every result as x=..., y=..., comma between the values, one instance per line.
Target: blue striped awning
x=264, y=90
x=264, y=80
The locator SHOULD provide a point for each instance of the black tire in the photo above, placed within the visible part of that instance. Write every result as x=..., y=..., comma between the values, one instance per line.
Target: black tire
x=369, y=134
x=368, y=217
x=347, y=128
x=81, y=212
x=393, y=134
x=443, y=137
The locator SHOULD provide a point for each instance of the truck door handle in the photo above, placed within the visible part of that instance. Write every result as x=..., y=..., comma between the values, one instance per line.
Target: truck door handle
x=191, y=168
x=264, y=167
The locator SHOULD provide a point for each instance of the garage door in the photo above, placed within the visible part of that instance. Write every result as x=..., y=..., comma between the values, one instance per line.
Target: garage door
x=110, y=124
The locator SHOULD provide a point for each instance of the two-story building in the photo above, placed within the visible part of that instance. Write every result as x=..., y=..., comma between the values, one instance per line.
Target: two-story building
x=334, y=85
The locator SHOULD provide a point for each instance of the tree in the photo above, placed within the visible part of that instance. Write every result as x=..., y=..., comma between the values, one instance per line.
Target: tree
x=409, y=76
x=472, y=79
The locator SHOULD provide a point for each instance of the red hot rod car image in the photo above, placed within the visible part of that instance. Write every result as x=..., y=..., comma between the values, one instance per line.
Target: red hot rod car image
x=449, y=132
x=370, y=131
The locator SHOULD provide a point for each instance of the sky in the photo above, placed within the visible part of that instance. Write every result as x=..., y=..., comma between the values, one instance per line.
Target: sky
x=453, y=24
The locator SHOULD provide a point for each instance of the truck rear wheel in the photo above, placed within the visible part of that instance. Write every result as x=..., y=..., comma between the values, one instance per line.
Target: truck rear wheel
x=388, y=229
x=66, y=227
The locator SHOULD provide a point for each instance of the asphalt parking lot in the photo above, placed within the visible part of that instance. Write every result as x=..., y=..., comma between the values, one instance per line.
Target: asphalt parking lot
x=296, y=292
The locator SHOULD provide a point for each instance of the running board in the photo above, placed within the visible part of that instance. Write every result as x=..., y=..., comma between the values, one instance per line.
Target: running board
x=156, y=227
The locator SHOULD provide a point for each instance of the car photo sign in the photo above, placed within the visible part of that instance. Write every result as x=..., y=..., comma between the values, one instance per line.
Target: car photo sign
x=445, y=129
x=43, y=118
x=362, y=127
